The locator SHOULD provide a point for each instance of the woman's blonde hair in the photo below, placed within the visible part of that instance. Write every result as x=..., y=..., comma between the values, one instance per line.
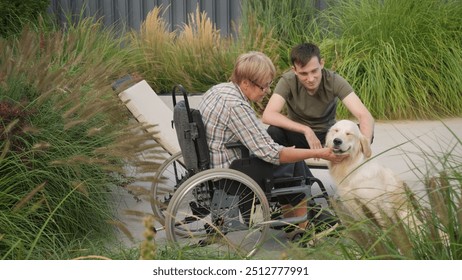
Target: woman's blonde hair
x=254, y=66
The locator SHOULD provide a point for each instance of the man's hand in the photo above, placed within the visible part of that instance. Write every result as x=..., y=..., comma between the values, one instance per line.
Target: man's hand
x=312, y=139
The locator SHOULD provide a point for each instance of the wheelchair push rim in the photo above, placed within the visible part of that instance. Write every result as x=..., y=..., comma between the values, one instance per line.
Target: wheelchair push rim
x=167, y=179
x=227, y=206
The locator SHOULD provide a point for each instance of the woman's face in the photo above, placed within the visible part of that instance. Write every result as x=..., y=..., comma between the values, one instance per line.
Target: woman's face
x=258, y=89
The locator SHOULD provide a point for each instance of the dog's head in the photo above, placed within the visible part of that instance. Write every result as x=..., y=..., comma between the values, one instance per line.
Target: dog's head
x=344, y=137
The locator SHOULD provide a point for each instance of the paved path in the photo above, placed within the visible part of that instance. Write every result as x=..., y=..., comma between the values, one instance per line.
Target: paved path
x=399, y=145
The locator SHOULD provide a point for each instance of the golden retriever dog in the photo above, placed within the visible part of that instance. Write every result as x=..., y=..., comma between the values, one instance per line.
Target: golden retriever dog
x=361, y=181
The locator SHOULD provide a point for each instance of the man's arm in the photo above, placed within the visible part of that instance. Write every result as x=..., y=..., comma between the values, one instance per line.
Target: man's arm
x=244, y=124
x=357, y=108
x=273, y=116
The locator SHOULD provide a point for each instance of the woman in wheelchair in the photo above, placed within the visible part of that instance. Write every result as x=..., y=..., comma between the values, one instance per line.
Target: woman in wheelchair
x=228, y=118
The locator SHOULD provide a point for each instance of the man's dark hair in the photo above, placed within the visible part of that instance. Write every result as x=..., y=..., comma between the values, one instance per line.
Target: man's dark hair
x=303, y=53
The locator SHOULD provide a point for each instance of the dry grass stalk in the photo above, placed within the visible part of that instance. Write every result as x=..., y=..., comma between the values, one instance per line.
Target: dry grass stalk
x=41, y=146
x=459, y=215
x=400, y=237
x=148, y=169
x=414, y=206
x=92, y=257
x=95, y=130
x=199, y=34
x=437, y=201
x=81, y=187
x=70, y=112
x=373, y=236
x=148, y=246
x=136, y=213
x=355, y=229
x=5, y=149
x=10, y=127
x=154, y=31
x=371, y=216
x=146, y=147
x=38, y=204
x=122, y=228
x=154, y=41
x=145, y=178
x=138, y=190
x=70, y=124
x=28, y=197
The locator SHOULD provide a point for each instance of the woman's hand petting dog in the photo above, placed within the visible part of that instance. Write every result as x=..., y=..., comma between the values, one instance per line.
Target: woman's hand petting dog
x=330, y=155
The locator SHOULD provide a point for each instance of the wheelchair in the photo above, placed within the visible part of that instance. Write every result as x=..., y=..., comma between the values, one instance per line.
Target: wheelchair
x=229, y=210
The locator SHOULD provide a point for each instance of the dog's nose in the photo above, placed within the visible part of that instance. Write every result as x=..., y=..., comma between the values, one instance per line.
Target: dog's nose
x=338, y=142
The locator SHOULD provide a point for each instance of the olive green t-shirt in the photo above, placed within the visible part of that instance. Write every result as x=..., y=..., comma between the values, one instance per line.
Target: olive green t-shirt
x=318, y=110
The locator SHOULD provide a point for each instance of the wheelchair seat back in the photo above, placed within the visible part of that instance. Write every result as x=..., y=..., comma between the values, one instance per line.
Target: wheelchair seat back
x=191, y=134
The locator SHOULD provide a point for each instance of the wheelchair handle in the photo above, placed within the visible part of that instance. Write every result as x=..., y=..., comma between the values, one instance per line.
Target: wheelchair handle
x=312, y=180
x=185, y=97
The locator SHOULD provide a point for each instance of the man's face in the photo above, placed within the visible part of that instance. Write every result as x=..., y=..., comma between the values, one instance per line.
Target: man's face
x=310, y=74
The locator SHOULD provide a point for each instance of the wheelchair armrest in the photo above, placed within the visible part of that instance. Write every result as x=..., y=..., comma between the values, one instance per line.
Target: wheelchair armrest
x=288, y=180
x=316, y=164
x=244, y=150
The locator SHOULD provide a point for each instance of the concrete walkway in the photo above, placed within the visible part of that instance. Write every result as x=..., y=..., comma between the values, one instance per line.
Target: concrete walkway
x=409, y=148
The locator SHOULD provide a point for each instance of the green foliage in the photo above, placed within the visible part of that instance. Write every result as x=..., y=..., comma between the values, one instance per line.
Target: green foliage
x=14, y=13
x=286, y=20
x=402, y=58
x=65, y=139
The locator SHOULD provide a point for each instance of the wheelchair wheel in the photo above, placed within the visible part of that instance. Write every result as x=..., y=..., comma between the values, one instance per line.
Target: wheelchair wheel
x=167, y=179
x=227, y=206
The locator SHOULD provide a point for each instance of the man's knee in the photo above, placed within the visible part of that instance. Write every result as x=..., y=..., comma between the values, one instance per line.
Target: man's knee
x=278, y=134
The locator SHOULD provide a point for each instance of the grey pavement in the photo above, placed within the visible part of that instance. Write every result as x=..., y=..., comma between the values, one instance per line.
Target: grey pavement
x=406, y=147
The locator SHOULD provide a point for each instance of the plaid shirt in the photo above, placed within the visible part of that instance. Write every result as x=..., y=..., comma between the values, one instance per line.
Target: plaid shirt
x=228, y=117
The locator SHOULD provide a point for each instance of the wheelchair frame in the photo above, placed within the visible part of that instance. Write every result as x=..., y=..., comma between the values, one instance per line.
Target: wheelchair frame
x=210, y=207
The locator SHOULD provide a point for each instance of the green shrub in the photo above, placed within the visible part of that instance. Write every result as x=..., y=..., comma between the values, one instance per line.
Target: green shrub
x=65, y=139
x=285, y=20
x=14, y=13
x=401, y=57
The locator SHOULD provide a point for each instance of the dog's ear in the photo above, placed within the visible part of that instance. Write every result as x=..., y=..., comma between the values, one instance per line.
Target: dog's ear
x=365, y=146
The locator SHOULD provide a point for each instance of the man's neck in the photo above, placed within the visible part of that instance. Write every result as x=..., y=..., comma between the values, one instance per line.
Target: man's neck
x=311, y=93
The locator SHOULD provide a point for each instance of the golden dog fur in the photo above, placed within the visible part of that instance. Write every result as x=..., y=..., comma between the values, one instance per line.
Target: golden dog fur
x=361, y=181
